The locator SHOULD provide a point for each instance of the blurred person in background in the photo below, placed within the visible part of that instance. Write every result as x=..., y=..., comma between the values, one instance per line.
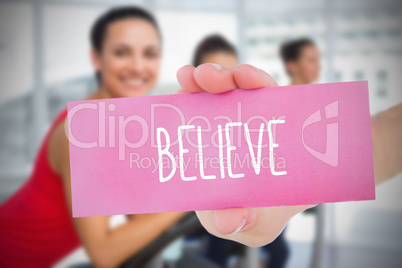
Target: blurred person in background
x=302, y=61
x=301, y=58
x=217, y=50
x=260, y=226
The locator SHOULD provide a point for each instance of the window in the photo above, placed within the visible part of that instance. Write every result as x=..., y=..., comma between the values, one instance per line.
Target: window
x=382, y=83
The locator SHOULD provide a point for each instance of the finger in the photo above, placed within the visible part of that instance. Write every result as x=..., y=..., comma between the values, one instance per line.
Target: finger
x=180, y=91
x=248, y=77
x=262, y=226
x=214, y=78
x=231, y=221
x=185, y=77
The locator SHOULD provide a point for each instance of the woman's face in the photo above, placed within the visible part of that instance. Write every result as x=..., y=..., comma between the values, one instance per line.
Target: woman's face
x=307, y=67
x=130, y=58
x=222, y=58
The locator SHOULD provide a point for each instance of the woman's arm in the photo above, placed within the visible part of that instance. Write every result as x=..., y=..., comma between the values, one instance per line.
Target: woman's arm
x=386, y=129
x=106, y=247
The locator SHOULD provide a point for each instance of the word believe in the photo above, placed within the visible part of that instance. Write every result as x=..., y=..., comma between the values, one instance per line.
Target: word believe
x=229, y=148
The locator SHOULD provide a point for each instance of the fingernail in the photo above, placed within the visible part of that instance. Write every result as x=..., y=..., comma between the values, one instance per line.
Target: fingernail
x=241, y=226
x=255, y=68
x=216, y=66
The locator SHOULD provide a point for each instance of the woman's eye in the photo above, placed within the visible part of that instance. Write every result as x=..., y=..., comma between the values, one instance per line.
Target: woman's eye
x=121, y=52
x=151, y=54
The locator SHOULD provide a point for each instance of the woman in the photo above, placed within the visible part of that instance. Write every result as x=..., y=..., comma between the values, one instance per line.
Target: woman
x=301, y=58
x=260, y=226
x=36, y=228
x=217, y=50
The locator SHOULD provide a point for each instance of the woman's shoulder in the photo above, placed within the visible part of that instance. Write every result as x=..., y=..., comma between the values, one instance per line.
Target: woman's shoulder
x=57, y=147
x=60, y=117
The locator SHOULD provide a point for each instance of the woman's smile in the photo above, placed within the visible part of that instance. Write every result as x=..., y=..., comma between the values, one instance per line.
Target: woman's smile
x=134, y=83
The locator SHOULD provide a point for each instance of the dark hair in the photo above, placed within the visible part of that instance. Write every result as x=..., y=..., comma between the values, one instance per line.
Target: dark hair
x=291, y=50
x=99, y=28
x=211, y=44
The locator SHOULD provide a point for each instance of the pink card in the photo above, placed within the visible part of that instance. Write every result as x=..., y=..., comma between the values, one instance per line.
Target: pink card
x=275, y=146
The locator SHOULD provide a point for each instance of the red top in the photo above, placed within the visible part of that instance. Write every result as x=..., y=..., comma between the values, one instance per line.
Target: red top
x=36, y=228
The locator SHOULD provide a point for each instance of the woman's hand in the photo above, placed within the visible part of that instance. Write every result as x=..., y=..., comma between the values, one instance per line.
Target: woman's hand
x=217, y=78
x=251, y=226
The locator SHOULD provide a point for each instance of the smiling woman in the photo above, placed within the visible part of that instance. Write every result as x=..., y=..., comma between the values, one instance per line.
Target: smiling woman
x=36, y=227
x=126, y=54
